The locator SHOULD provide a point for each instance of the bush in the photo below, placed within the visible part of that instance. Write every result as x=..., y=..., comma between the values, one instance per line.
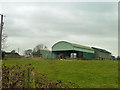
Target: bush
x=16, y=77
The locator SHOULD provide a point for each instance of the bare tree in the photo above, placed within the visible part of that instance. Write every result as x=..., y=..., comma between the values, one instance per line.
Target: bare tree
x=37, y=51
x=38, y=47
x=4, y=38
x=28, y=53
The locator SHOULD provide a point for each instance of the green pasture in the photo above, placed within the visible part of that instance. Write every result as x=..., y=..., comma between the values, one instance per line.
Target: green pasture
x=86, y=73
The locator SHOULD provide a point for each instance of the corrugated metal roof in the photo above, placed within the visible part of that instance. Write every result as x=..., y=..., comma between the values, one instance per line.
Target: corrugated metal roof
x=63, y=46
x=81, y=46
x=102, y=50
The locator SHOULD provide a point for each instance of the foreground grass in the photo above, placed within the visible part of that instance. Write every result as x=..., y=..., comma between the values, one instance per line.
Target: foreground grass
x=86, y=73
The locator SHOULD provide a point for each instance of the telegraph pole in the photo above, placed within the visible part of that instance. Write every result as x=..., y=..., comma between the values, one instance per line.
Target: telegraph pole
x=1, y=27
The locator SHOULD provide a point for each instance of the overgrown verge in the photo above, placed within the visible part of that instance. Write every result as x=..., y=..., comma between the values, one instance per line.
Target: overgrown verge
x=16, y=77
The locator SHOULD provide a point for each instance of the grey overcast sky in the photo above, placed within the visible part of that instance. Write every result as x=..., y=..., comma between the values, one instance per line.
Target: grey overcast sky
x=92, y=24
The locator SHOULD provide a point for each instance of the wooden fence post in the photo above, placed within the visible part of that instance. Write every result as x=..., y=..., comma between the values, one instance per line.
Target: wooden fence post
x=29, y=78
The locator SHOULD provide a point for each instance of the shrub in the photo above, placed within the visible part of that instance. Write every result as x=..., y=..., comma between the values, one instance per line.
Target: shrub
x=16, y=77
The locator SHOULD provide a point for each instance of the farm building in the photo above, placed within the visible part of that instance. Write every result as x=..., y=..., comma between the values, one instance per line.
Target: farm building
x=102, y=54
x=66, y=50
x=46, y=54
x=10, y=55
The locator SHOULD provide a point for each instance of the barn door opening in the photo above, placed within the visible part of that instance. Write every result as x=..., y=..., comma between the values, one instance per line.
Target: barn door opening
x=73, y=55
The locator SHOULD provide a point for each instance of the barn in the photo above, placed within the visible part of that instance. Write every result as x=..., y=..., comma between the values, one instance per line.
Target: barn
x=67, y=50
x=102, y=54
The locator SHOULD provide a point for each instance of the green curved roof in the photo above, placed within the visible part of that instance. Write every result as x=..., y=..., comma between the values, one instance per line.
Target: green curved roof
x=81, y=46
x=63, y=46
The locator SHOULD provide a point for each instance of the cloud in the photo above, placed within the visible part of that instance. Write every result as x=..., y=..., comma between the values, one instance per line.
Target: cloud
x=92, y=24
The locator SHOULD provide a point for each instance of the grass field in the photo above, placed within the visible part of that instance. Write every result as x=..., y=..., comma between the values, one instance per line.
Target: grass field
x=86, y=73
